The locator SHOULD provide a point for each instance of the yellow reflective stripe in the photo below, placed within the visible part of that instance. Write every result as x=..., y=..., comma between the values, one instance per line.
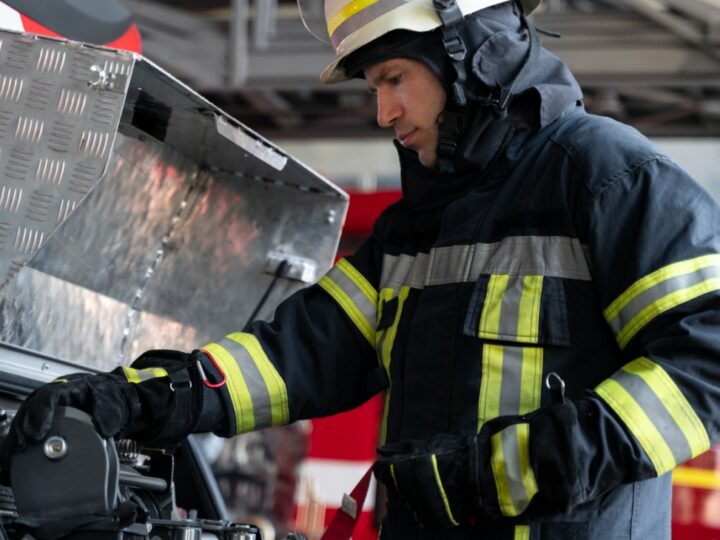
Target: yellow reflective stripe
x=389, y=335
x=513, y=475
x=61, y=380
x=490, y=384
x=638, y=423
x=140, y=375
x=280, y=410
x=529, y=310
x=394, y=479
x=531, y=379
x=386, y=411
x=657, y=277
x=237, y=388
x=522, y=532
x=443, y=495
x=359, y=280
x=131, y=375
x=527, y=475
x=664, y=304
x=511, y=381
x=347, y=11
x=492, y=307
x=497, y=461
x=386, y=339
x=659, y=292
x=674, y=401
x=356, y=316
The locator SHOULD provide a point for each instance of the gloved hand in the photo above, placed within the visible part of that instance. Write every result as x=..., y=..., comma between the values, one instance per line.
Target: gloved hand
x=514, y=461
x=543, y=463
x=437, y=478
x=158, y=401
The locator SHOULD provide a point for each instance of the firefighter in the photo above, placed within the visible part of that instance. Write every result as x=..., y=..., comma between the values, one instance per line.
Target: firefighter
x=541, y=307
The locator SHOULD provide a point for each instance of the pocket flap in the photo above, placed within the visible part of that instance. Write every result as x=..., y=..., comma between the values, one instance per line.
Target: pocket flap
x=524, y=309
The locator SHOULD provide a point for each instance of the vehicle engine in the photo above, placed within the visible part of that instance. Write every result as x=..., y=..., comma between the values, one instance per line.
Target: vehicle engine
x=75, y=485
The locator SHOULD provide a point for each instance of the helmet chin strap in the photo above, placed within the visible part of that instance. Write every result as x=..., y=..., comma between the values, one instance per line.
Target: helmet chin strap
x=451, y=120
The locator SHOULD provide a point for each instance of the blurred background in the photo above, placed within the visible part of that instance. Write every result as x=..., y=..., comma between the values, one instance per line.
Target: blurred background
x=654, y=64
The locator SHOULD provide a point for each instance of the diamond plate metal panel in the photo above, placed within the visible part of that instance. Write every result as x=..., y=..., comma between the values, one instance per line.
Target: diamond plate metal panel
x=60, y=105
x=134, y=213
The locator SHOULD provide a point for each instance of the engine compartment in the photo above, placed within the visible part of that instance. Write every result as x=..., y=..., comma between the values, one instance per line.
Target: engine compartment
x=75, y=485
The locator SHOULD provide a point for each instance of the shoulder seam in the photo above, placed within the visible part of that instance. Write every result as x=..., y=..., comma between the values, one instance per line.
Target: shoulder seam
x=631, y=168
x=609, y=181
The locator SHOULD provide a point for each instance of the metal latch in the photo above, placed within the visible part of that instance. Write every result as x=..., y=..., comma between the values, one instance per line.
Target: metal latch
x=296, y=268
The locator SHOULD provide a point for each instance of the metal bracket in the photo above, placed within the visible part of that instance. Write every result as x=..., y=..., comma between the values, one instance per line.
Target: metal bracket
x=297, y=268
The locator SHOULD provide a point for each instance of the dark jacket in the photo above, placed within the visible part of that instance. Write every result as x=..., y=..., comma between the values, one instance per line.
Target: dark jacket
x=587, y=253
x=563, y=243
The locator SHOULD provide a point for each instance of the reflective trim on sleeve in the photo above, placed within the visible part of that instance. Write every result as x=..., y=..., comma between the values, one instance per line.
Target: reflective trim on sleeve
x=257, y=391
x=522, y=532
x=511, y=381
x=659, y=292
x=141, y=375
x=510, y=461
x=271, y=382
x=656, y=412
x=237, y=388
x=552, y=256
x=441, y=489
x=355, y=295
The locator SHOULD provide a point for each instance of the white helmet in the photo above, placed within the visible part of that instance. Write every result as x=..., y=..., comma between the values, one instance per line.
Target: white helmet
x=351, y=24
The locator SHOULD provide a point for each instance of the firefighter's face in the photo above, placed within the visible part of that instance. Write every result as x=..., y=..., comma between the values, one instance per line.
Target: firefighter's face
x=409, y=100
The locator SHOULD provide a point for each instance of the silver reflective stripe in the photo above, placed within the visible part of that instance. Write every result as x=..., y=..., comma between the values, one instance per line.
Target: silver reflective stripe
x=511, y=382
x=361, y=18
x=512, y=369
x=510, y=308
x=404, y=270
x=659, y=291
x=510, y=461
x=513, y=471
x=262, y=406
x=648, y=400
x=552, y=256
x=452, y=265
x=367, y=308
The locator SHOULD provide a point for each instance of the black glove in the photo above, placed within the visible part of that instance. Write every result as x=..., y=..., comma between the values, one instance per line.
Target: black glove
x=437, y=478
x=158, y=401
x=448, y=480
x=542, y=463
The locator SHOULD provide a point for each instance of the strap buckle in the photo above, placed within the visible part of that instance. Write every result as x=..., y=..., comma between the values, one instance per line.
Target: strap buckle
x=498, y=102
x=179, y=383
x=454, y=46
x=449, y=12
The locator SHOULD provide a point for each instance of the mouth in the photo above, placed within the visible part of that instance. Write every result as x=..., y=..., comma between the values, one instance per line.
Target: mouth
x=407, y=138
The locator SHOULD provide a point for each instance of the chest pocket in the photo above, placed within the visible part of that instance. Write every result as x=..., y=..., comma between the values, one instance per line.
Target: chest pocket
x=515, y=317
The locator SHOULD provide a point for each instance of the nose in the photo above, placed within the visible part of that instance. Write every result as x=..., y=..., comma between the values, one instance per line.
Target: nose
x=389, y=108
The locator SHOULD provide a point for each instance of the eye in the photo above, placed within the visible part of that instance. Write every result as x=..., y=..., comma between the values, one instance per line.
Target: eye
x=394, y=80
